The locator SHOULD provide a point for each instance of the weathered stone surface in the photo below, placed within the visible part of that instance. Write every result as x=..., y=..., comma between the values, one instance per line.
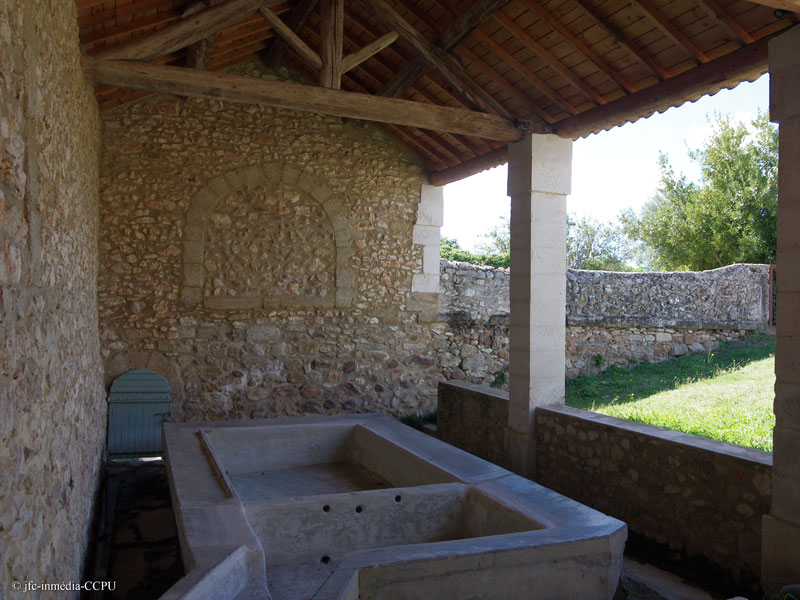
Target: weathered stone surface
x=285, y=240
x=52, y=406
x=474, y=300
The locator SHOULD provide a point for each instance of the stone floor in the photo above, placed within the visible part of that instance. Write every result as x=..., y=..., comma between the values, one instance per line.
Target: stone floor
x=137, y=545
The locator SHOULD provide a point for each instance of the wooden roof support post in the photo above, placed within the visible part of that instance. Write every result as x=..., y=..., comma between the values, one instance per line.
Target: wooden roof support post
x=332, y=34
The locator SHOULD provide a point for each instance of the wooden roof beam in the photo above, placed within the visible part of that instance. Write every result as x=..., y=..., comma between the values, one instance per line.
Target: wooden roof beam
x=286, y=33
x=332, y=42
x=746, y=63
x=545, y=55
x=442, y=63
x=477, y=13
x=671, y=31
x=791, y=5
x=282, y=94
x=635, y=51
x=352, y=60
x=470, y=167
x=712, y=7
x=582, y=47
x=184, y=32
x=297, y=17
x=527, y=73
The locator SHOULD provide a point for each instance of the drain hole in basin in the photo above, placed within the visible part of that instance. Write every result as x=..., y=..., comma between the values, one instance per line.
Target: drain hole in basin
x=398, y=498
x=359, y=508
x=325, y=559
x=326, y=508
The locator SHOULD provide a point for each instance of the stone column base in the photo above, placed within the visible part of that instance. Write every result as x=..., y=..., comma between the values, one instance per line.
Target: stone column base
x=780, y=555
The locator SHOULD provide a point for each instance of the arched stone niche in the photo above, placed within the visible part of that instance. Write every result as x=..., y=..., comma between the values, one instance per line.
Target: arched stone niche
x=265, y=237
x=123, y=362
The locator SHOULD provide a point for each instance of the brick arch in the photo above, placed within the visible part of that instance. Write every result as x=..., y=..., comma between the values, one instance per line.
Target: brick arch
x=320, y=210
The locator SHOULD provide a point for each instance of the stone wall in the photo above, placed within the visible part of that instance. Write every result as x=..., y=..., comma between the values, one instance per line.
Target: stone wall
x=267, y=262
x=52, y=406
x=695, y=496
x=612, y=318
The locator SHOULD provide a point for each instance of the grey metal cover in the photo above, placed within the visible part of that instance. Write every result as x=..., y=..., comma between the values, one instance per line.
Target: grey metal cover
x=139, y=401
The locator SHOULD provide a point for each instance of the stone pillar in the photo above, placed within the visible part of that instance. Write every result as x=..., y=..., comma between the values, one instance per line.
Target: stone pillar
x=425, y=285
x=780, y=550
x=539, y=179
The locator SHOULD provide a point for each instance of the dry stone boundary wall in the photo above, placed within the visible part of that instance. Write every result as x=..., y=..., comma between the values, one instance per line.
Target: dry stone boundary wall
x=612, y=318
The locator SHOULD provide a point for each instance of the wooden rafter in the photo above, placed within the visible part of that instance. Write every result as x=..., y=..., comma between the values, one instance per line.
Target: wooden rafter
x=712, y=7
x=477, y=13
x=282, y=94
x=332, y=34
x=746, y=63
x=291, y=38
x=545, y=55
x=526, y=72
x=635, y=51
x=352, y=60
x=582, y=47
x=185, y=32
x=671, y=31
x=442, y=63
x=509, y=87
x=793, y=5
x=297, y=17
x=470, y=167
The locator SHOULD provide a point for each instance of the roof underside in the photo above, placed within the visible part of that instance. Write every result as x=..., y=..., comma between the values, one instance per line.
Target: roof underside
x=564, y=66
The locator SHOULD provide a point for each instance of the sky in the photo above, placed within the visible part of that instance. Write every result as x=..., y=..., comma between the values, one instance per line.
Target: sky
x=612, y=170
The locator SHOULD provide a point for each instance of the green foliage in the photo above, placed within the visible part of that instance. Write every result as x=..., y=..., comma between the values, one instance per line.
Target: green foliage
x=450, y=250
x=500, y=379
x=595, y=246
x=725, y=395
x=498, y=240
x=730, y=216
x=598, y=360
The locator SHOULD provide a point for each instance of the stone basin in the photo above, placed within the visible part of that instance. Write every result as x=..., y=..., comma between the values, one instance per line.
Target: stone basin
x=361, y=506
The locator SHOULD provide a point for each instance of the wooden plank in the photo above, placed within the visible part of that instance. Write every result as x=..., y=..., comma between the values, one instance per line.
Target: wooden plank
x=527, y=73
x=582, y=47
x=351, y=61
x=478, y=12
x=747, y=63
x=185, y=32
x=545, y=55
x=792, y=5
x=471, y=167
x=633, y=49
x=730, y=24
x=282, y=94
x=671, y=31
x=291, y=38
x=332, y=33
x=297, y=18
x=438, y=60
x=506, y=85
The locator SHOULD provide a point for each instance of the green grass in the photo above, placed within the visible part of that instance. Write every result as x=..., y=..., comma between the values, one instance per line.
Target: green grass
x=725, y=395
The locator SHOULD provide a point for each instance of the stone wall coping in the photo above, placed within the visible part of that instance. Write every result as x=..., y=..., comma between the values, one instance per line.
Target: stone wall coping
x=693, y=442
x=614, y=321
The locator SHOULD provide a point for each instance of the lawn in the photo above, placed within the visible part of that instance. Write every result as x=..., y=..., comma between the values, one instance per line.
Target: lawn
x=726, y=395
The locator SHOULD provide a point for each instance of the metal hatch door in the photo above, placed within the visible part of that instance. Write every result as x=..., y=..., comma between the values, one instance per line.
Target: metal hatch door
x=139, y=401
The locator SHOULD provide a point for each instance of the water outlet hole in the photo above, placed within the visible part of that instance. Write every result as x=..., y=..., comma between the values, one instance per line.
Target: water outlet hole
x=326, y=508
x=325, y=559
x=359, y=508
x=398, y=498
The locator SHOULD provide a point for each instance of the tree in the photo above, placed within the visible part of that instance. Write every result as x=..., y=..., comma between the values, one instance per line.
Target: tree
x=498, y=240
x=597, y=246
x=449, y=249
x=730, y=216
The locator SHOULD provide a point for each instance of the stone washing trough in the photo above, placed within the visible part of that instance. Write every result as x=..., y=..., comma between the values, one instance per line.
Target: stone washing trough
x=349, y=507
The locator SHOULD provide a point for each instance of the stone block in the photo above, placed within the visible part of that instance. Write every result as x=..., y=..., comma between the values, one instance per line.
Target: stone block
x=193, y=251
x=205, y=201
x=431, y=206
x=785, y=498
x=786, y=449
x=540, y=162
x=193, y=274
x=789, y=269
x=262, y=333
x=344, y=297
x=784, y=68
x=430, y=260
x=426, y=235
x=232, y=302
x=426, y=284
x=193, y=233
x=780, y=554
x=192, y=295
